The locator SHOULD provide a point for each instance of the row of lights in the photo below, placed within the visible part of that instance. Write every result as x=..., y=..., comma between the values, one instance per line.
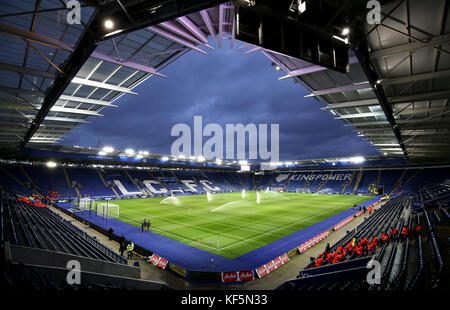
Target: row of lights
x=130, y=152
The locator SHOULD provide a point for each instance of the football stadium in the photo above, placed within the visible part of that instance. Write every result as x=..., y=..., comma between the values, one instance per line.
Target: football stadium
x=319, y=212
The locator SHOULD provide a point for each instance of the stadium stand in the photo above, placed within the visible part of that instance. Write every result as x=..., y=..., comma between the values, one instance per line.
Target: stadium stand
x=407, y=262
x=37, y=243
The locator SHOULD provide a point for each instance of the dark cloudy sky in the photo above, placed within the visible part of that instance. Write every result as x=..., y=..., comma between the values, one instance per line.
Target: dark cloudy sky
x=224, y=86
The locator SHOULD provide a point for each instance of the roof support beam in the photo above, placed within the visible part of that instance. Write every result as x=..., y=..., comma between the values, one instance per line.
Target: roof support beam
x=312, y=69
x=21, y=91
x=362, y=52
x=439, y=40
x=168, y=35
x=208, y=23
x=351, y=104
x=186, y=22
x=44, y=40
x=369, y=123
x=420, y=97
x=126, y=63
x=350, y=87
x=34, y=37
x=359, y=115
x=415, y=78
x=87, y=82
x=65, y=119
x=85, y=47
x=59, y=109
x=29, y=71
x=180, y=31
x=87, y=100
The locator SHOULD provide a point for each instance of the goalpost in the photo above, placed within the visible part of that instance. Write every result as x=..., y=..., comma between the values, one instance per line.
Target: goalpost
x=107, y=209
x=86, y=204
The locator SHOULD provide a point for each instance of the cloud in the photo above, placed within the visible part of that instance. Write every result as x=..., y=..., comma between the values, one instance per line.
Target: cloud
x=224, y=86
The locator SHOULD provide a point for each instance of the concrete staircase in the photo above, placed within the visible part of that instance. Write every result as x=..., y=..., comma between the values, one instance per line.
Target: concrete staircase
x=398, y=181
x=25, y=186
x=344, y=186
x=324, y=182
x=358, y=180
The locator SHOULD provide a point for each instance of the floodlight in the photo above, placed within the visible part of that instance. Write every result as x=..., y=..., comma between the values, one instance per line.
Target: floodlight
x=345, y=31
x=357, y=159
x=165, y=158
x=201, y=158
x=109, y=24
x=129, y=151
x=51, y=164
x=102, y=153
x=108, y=149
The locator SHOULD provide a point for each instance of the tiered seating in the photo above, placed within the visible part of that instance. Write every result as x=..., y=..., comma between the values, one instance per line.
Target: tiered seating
x=262, y=182
x=91, y=184
x=50, y=179
x=223, y=181
x=402, y=259
x=386, y=217
x=113, y=175
x=389, y=179
x=10, y=184
x=27, y=225
x=368, y=177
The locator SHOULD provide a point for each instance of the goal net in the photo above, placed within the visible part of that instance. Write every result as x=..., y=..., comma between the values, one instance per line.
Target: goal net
x=107, y=209
x=86, y=204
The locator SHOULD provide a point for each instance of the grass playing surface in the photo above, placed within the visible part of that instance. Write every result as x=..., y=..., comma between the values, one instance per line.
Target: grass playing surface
x=241, y=224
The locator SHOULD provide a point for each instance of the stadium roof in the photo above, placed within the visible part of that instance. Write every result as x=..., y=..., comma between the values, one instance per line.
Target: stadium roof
x=396, y=95
x=402, y=106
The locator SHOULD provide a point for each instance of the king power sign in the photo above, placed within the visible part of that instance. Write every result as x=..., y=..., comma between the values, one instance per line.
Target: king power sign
x=323, y=177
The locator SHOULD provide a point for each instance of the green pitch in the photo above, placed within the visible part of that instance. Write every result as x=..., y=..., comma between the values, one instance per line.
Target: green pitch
x=242, y=224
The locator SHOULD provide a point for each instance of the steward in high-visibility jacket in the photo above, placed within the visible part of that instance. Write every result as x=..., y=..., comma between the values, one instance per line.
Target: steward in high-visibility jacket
x=130, y=248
